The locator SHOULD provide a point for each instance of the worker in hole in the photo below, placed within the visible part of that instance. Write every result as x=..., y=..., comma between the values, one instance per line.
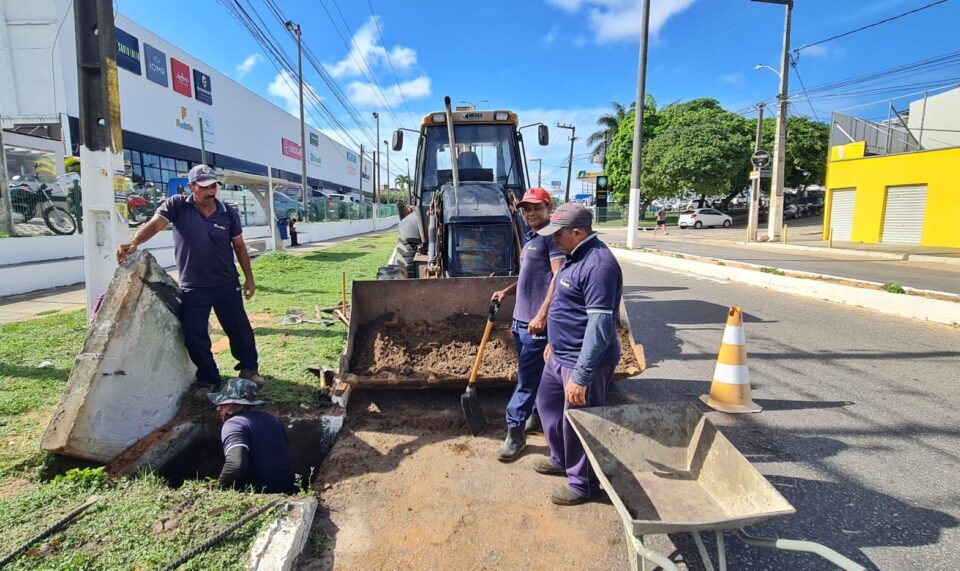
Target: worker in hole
x=540, y=260
x=583, y=349
x=254, y=442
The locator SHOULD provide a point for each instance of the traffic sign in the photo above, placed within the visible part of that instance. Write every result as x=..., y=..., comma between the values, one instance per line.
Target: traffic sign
x=760, y=159
x=602, y=182
x=764, y=173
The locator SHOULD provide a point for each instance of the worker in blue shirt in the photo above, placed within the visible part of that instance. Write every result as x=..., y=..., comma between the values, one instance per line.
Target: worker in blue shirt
x=583, y=350
x=255, y=449
x=206, y=235
x=540, y=260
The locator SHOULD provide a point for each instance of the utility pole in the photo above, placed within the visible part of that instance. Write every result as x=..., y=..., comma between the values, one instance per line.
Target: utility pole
x=6, y=205
x=101, y=147
x=295, y=28
x=360, y=186
x=755, y=183
x=573, y=133
x=409, y=182
x=775, y=217
x=634, y=204
x=539, y=171
x=387, y=145
x=376, y=161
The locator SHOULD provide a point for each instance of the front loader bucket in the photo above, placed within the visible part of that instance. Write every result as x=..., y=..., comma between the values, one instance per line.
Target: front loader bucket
x=416, y=333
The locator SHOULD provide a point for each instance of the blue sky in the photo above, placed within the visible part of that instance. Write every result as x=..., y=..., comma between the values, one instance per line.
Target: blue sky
x=564, y=60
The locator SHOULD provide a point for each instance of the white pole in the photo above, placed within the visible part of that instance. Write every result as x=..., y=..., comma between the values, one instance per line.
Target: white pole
x=634, y=205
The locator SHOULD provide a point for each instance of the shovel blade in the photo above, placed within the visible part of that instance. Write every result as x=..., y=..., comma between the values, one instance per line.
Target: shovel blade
x=476, y=418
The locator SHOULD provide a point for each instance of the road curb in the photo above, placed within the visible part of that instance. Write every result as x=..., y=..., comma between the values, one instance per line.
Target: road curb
x=899, y=305
x=934, y=259
x=824, y=251
x=279, y=544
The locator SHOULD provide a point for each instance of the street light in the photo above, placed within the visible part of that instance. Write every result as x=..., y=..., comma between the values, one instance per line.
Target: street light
x=295, y=28
x=471, y=104
x=762, y=66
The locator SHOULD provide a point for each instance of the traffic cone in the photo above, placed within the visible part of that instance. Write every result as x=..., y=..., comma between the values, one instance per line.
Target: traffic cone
x=730, y=389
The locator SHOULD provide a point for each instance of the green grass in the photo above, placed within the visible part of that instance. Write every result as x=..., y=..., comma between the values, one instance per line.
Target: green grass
x=649, y=220
x=4, y=234
x=774, y=271
x=117, y=534
x=893, y=288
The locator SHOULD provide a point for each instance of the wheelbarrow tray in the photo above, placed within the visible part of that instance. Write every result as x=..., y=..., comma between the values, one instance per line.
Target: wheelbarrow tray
x=667, y=469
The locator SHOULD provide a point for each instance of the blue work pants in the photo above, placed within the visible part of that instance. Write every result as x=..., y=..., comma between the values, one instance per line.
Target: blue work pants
x=227, y=303
x=530, y=358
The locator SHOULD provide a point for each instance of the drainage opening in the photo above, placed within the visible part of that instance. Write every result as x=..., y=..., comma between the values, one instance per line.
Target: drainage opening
x=310, y=440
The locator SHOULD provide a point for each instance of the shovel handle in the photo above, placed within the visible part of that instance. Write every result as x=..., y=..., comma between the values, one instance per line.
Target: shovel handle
x=494, y=308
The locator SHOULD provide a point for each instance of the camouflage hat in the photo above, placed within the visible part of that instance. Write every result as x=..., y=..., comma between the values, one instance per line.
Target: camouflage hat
x=236, y=391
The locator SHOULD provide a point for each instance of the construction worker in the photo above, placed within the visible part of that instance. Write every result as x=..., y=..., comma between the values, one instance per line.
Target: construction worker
x=583, y=350
x=540, y=260
x=254, y=442
x=206, y=235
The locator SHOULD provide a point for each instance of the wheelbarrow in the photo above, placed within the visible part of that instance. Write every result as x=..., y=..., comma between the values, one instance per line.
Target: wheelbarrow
x=667, y=469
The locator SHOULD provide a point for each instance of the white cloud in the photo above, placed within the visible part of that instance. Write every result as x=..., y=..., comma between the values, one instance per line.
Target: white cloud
x=367, y=95
x=552, y=34
x=286, y=88
x=730, y=78
x=815, y=51
x=613, y=20
x=248, y=65
x=368, y=52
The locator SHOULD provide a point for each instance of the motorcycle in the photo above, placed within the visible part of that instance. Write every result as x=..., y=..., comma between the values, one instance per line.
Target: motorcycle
x=35, y=200
x=140, y=208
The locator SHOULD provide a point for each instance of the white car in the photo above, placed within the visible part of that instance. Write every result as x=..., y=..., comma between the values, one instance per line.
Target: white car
x=701, y=217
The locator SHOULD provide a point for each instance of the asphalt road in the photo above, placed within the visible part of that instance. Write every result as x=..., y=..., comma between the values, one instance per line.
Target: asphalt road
x=912, y=274
x=859, y=429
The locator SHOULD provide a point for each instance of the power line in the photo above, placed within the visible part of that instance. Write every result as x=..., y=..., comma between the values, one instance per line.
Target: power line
x=793, y=64
x=386, y=52
x=860, y=29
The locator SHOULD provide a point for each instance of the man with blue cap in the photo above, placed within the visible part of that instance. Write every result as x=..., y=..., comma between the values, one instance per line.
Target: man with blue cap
x=582, y=346
x=207, y=234
x=254, y=442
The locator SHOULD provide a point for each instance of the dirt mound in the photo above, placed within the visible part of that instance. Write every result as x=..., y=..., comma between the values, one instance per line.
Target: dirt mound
x=445, y=348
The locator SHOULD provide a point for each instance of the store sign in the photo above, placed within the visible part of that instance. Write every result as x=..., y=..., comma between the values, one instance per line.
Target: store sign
x=181, y=77
x=291, y=149
x=182, y=121
x=209, y=131
x=128, y=51
x=156, y=64
x=352, y=157
x=314, y=158
x=314, y=139
x=201, y=84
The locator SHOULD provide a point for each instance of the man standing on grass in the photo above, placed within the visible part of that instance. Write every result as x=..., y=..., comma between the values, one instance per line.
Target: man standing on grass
x=540, y=260
x=583, y=350
x=206, y=235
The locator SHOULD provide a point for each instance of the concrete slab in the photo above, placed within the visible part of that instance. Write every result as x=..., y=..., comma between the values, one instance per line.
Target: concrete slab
x=279, y=543
x=133, y=371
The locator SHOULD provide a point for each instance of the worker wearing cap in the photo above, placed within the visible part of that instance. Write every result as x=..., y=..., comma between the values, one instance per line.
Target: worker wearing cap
x=206, y=235
x=540, y=260
x=254, y=442
x=583, y=348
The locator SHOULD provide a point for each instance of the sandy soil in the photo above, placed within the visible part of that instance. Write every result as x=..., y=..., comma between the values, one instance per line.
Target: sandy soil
x=407, y=487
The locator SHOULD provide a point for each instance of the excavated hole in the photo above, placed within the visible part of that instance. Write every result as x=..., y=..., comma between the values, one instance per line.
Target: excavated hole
x=309, y=438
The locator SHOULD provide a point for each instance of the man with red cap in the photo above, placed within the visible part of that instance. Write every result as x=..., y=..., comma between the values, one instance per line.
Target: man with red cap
x=540, y=260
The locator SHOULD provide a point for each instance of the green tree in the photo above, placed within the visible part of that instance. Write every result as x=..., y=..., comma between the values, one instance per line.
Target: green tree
x=609, y=124
x=403, y=182
x=807, y=144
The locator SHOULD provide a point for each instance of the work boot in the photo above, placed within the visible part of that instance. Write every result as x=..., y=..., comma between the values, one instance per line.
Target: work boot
x=547, y=467
x=515, y=443
x=564, y=496
x=533, y=424
x=200, y=394
x=254, y=376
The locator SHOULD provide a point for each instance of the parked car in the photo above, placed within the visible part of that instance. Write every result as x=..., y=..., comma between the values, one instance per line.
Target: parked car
x=286, y=207
x=701, y=217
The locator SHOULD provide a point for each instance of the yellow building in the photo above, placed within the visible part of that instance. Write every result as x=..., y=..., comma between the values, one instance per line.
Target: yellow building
x=910, y=198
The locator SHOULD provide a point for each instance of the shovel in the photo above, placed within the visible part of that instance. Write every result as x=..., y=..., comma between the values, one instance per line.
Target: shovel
x=476, y=419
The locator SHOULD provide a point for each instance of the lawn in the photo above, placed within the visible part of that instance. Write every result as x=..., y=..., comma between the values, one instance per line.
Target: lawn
x=141, y=523
x=649, y=220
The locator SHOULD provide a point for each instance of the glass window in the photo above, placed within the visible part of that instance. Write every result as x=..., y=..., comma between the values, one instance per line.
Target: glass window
x=167, y=175
x=127, y=155
x=137, y=157
x=486, y=153
x=151, y=174
x=182, y=166
x=151, y=160
x=168, y=163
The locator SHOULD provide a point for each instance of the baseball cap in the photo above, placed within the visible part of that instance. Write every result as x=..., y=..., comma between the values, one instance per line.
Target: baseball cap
x=536, y=196
x=569, y=215
x=202, y=175
x=236, y=391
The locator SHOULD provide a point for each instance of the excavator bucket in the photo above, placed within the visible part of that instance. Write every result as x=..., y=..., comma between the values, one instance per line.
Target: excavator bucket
x=416, y=333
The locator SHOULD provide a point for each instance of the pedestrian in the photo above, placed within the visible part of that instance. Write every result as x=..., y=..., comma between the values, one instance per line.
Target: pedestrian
x=583, y=350
x=661, y=221
x=206, y=235
x=255, y=449
x=540, y=260
x=293, y=232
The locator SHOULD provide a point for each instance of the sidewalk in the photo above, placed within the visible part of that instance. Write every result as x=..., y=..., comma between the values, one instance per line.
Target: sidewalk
x=33, y=304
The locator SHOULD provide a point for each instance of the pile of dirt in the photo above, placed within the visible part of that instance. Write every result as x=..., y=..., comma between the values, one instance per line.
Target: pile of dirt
x=445, y=349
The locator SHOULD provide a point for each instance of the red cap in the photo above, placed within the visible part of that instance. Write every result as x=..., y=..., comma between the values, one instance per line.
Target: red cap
x=536, y=195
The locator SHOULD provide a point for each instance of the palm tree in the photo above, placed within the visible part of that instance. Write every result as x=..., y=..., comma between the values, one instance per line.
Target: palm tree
x=608, y=123
x=403, y=181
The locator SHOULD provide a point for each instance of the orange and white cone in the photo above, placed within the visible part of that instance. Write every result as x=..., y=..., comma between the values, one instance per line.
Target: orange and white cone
x=730, y=389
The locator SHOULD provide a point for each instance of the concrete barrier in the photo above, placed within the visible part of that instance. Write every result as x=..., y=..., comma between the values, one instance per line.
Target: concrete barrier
x=900, y=305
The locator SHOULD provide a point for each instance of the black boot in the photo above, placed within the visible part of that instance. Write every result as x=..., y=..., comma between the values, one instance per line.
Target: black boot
x=513, y=445
x=533, y=424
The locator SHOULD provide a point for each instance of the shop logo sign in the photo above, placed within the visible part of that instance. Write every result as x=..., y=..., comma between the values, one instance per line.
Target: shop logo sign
x=314, y=139
x=181, y=77
x=182, y=120
x=351, y=157
x=315, y=159
x=128, y=51
x=201, y=84
x=291, y=149
x=156, y=64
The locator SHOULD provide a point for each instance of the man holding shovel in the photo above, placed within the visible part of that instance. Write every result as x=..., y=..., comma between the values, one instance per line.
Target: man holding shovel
x=540, y=260
x=583, y=348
